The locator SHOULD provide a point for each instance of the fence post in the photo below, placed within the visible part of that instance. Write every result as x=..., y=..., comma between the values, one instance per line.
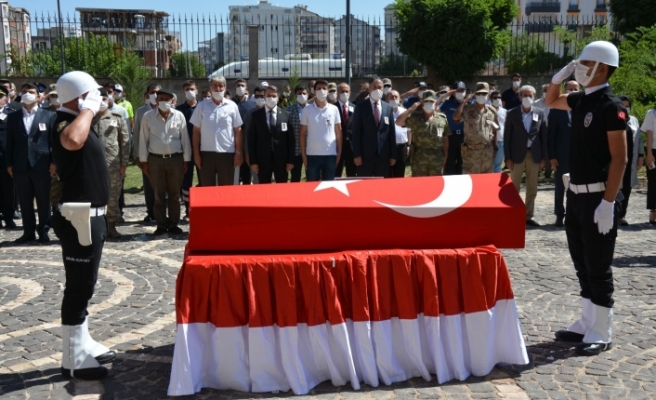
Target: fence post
x=253, y=47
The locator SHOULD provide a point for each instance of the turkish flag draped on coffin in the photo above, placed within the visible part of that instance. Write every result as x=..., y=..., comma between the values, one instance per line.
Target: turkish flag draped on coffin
x=368, y=214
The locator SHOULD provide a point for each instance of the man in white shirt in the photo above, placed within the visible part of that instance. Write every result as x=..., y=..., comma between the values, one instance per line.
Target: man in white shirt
x=218, y=138
x=495, y=101
x=321, y=136
x=150, y=103
x=403, y=137
x=165, y=150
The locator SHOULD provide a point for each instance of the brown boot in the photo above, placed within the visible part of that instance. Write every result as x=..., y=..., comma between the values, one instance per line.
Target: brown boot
x=113, y=233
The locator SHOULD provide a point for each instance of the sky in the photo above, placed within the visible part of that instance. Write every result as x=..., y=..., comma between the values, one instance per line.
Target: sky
x=359, y=8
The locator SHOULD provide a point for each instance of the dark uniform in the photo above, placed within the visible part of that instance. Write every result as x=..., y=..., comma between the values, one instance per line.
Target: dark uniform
x=7, y=191
x=85, y=178
x=593, y=116
x=188, y=179
x=454, y=158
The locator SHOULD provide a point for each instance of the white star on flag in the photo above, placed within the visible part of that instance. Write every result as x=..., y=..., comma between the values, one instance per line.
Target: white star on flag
x=338, y=185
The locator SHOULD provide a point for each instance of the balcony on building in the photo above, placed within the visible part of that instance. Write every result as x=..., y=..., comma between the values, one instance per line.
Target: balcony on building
x=573, y=6
x=542, y=7
x=539, y=26
x=601, y=7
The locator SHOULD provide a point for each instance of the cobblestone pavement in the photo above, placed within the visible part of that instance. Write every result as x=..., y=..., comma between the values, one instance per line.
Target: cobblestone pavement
x=133, y=313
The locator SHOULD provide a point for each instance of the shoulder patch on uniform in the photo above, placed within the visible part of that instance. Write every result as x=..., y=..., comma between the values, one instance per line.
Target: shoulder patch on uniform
x=621, y=115
x=61, y=126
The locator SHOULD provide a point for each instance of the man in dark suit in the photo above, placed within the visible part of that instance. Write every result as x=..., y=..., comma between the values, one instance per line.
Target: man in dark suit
x=559, y=128
x=7, y=192
x=525, y=147
x=29, y=161
x=346, y=109
x=373, y=135
x=271, y=142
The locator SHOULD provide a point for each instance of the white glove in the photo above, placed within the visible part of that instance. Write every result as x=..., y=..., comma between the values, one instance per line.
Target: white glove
x=92, y=102
x=603, y=216
x=564, y=73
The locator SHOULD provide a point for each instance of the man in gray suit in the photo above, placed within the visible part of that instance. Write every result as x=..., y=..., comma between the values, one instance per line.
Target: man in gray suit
x=525, y=147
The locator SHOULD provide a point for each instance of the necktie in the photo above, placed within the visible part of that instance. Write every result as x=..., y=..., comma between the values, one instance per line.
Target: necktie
x=272, y=122
x=376, y=113
x=345, y=113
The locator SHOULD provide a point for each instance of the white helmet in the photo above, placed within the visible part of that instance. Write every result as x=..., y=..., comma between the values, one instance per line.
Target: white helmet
x=74, y=84
x=602, y=52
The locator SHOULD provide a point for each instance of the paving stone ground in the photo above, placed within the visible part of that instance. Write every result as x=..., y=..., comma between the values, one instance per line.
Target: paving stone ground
x=133, y=313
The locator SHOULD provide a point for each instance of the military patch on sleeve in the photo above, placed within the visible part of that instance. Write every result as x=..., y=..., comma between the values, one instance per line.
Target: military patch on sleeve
x=61, y=126
x=621, y=115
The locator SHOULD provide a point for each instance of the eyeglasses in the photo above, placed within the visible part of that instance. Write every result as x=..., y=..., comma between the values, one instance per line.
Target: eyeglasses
x=259, y=96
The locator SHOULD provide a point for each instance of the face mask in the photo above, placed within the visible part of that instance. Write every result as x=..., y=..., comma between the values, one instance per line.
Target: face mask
x=190, y=95
x=28, y=98
x=110, y=96
x=394, y=103
x=420, y=94
x=241, y=91
x=54, y=101
x=332, y=96
x=80, y=101
x=153, y=98
x=460, y=95
x=544, y=95
x=527, y=102
x=387, y=89
x=376, y=94
x=322, y=94
x=344, y=97
x=481, y=99
x=104, y=105
x=516, y=84
x=12, y=93
x=218, y=95
x=572, y=91
x=580, y=74
x=259, y=102
x=271, y=102
x=628, y=110
x=118, y=96
x=164, y=106
x=286, y=94
x=496, y=103
x=429, y=107
x=301, y=98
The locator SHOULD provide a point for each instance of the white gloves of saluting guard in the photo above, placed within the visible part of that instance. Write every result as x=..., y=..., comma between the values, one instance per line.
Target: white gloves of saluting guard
x=564, y=73
x=92, y=102
x=604, y=215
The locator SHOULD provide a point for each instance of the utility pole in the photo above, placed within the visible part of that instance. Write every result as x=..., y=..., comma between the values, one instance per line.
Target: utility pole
x=347, y=76
x=61, y=39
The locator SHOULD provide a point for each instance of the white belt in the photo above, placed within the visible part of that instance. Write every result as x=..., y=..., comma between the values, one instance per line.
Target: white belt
x=589, y=188
x=95, y=211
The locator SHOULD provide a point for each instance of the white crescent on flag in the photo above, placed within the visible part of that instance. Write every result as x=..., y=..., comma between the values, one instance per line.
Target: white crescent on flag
x=457, y=190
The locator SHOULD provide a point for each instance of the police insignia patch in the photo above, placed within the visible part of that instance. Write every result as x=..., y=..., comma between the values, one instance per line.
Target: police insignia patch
x=61, y=126
x=588, y=119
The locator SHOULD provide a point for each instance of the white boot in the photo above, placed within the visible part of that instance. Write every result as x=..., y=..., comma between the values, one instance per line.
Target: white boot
x=91, y=346
x=76, y=357
x=581, y=325
x=601, y=330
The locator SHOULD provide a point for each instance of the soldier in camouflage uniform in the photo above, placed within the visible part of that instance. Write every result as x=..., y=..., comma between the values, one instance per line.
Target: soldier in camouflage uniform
x=112, y=130
x=429, y=130
x=481, y=126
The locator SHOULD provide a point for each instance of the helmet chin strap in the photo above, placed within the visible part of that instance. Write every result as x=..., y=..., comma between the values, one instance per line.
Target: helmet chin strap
x=594, y=71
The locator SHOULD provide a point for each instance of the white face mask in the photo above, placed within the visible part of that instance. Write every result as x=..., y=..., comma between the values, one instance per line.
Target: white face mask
x=460, y=95
x=481, y=99
x=332, y=96
x=628, y=110
x=190, y=95
x=286, y=94
x=394, y=103
x=28, y=98
x=110, y=96
x=153, y=99
x=344, y=97
x=164, y=106
x=429, y=107
x=301, y=98
x=322, y=94
x=420, y=94
x=271, y=102
x=580, y=74
x=376, y=94
x=218, y=95
x=12, y=93
x=104, y=105
x=54, y=101
x=387, y=89
x=259, y=102
x=517, y=84
x=527, y=102
x=240, y=91
x=544, y=95
x=496, y=103
x=572, y=91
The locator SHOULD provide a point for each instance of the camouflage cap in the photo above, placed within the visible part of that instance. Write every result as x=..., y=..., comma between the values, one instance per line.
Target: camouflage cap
x=428, y=95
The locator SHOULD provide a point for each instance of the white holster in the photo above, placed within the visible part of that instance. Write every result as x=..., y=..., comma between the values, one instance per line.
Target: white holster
x=566, y=182
x=79, y=216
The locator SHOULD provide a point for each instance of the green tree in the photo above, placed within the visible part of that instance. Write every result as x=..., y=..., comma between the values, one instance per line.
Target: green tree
x=574, y=41
x=456, y=37
x=186, y=66
x=628, y=15
x=528, y=56
x=396, y=65
x=133, y=76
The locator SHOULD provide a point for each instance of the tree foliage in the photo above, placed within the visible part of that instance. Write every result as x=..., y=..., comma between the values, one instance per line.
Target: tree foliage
x=528, y=56
x=133, y=76
x=184, y=65
x=629, y=15
x=456, y=37
x=396, y=65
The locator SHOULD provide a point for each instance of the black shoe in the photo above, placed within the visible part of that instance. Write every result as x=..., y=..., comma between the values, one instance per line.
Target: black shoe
x=10, y=224
x=532, y=222
x=44, y=238
x=569, y=336
x=148, y=219
x=159, y=231
x=106, y=358
x=90, y=374
x=176, y=230
x=559, y=222
x=623, y=222
x=25, y=239
x=592, y=349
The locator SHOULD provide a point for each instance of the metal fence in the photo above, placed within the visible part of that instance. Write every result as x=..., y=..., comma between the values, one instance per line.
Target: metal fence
x=300, y=44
